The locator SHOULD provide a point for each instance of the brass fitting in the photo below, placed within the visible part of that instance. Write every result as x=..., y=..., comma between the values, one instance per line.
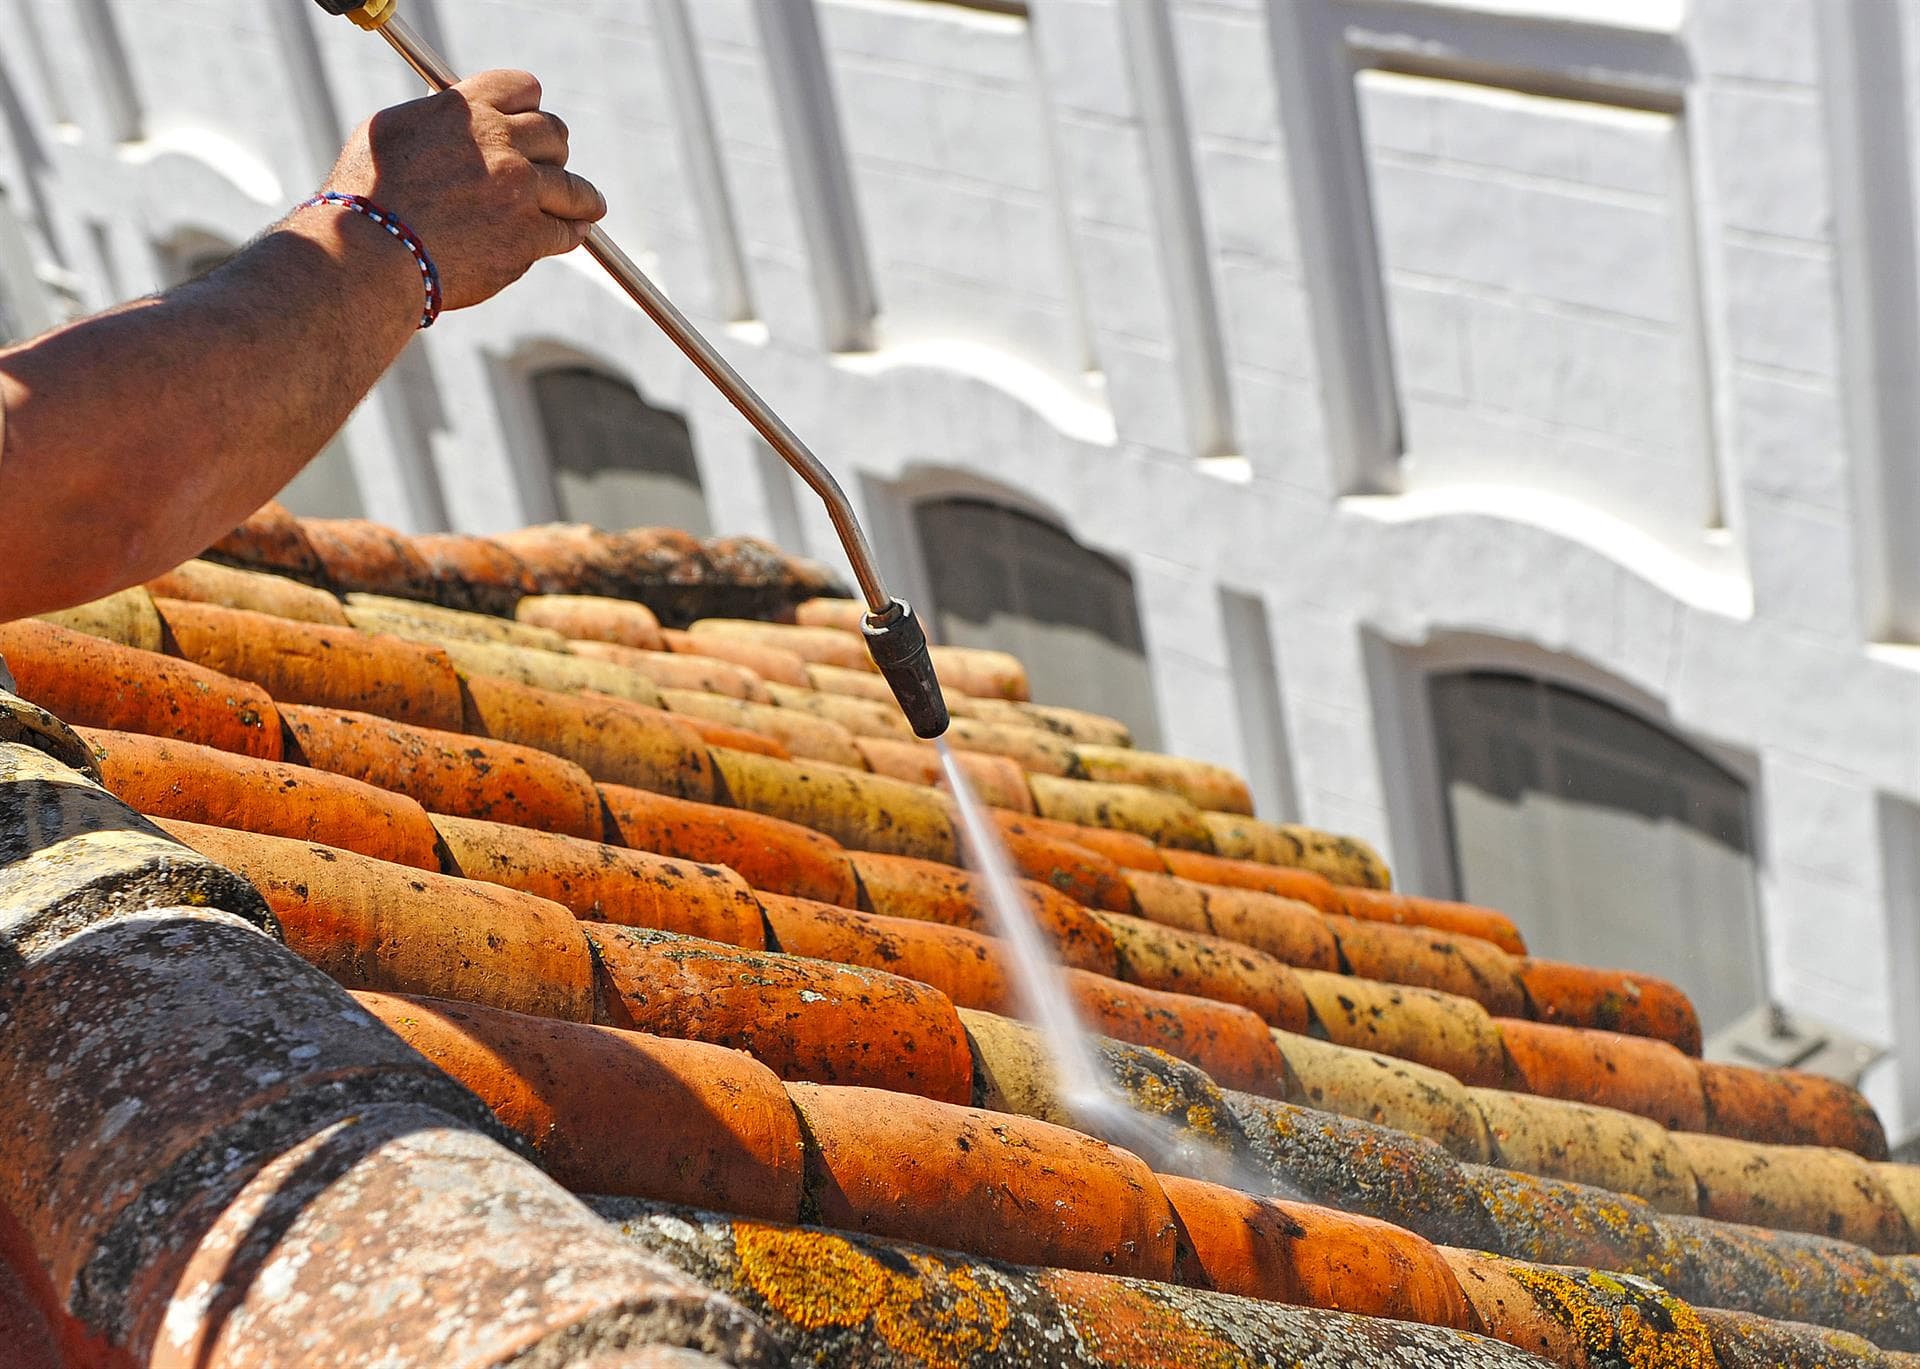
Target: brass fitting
x=374, y=14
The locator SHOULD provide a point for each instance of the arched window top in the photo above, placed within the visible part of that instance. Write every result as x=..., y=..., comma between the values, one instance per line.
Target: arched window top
x=1002, y=577
x=617, y=461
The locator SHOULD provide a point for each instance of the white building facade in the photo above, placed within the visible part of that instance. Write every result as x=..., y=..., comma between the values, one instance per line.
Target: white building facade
x=1493, y=425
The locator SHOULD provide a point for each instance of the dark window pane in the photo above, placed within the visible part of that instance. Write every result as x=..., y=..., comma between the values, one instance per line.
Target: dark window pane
x=618, y=462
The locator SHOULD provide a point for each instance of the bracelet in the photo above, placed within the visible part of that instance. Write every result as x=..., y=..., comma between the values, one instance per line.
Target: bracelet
x=405, y=236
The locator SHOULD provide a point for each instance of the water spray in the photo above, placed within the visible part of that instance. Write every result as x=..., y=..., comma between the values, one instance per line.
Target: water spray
x=895, y=638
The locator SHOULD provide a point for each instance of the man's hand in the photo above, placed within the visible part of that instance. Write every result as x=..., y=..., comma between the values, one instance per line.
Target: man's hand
x=479, y=173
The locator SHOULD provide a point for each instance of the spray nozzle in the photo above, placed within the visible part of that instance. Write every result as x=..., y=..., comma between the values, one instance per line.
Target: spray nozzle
x=899, y=647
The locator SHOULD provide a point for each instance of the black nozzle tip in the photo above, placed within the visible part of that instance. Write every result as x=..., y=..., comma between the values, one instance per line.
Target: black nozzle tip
x=899, y=647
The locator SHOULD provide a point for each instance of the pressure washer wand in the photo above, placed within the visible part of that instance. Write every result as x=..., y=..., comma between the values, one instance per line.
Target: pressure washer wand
x=895, y=639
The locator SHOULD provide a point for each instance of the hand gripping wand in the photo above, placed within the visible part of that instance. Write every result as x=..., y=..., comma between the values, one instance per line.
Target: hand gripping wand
x=895, y=639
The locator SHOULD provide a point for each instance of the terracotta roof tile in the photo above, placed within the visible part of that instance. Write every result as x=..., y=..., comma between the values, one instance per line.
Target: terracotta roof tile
x=206, y=582
x=614, y=740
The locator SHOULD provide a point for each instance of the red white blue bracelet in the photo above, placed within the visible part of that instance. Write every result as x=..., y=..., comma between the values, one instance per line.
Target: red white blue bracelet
x=405, y=236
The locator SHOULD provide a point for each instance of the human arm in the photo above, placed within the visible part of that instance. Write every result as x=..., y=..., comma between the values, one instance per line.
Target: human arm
x=135, y=438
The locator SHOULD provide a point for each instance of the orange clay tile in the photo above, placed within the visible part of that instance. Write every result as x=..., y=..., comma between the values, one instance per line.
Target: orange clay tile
x=981, y=672
x=1079, y=872
x=1220, y=871
x=1612, y=1000
x=430, y=623
x=1461, y=965
x=1230, y=1043
x=734, y=738
x=1608, y=1069
x=768, y=853
x=1795, y=1188
x=856, y=684
x=804, y=1019
x=563, y=673
x=611, y=739
x=1452, y=1034
x=474, y=573
x=610, y=1111
x=590, y=618
x=1742, y=1340
x=608, y=883
x=372, y=925
x=1386, y=1092
x=928, y=891
x=1580, y=1320
x=363, y=555
x=671, y=671
x=310, y=663
x=1788, y=1107
x=91, y=682
x=843, y=614
x=804, y=736
x=271, y=539
x=204, y=582
x=1463, y=918
x=1599, y=1146
x=1310, y=1256
x=826, y=646
x=1344, y=860
x=1128, y=850
x=174, y=779
x=998, y=781
x=1291, y=931
x=770, y=663
x=1042, y=753
x=1177, y=961
x=448, y=772
x=1552, y=1221
x=982, y=1182
x=963, y=965
x=1164, y=819
x=127, y=617
x=863, y=811
x=861, y=717
x=1076, y=725
x=1212, y=787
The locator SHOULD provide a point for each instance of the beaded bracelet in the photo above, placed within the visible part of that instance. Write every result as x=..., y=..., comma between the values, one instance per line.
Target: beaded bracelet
x=405, y=236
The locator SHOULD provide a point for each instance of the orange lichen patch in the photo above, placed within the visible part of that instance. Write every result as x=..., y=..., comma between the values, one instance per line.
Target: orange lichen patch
x=928, y=891
x=91, y=682
x=608, y=883
x=1164, y=819
x=982, y=673
x=373, y=925
x=964, y=965
x=1790, y=1108
x=1344, y=860
x=861, y=717
x=1040, y=752
x=1125, y=849
x=611, y=1111
x=1612, y=1000
x=613, y=740
x=1588, y=1145
x=1465, y=919
x=1447, y=1032
x=802, y=734
x=271, y=539
x=804, y=1019
x=983, y=1182
x=1461, y=965
x=1631, y=1073
x=474, y=573
x=862, y=811
x=173, y=779
x=1220, y=871
x=432, y=623
x=204, y=582
x=998, y=782
x=670, y=671
x=358, y=554
x=590, y=618
x=770, y=663
x=1230, y=1043
x=1311, y=1256
x=1387, y=1092
x=448, y=772
x=824, y=646
x=768, y=853
x=1795, y=1188
x=1211, y=787
x=1581, y=1319
x=1281, y=927
x=310, y=663
x=1176, y=961
x=1079, y=872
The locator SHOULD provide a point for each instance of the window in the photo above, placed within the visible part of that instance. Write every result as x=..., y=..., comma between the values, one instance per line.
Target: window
x=1609, y=841
x=618, y=462
x=1005, y=579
